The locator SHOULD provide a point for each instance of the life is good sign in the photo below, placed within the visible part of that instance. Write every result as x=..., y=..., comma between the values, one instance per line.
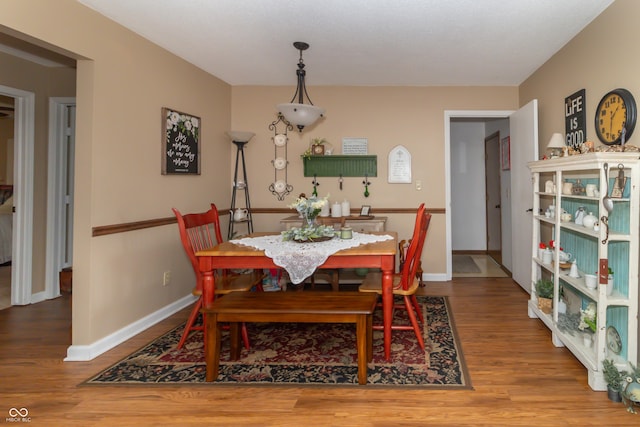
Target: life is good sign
x=575, y=119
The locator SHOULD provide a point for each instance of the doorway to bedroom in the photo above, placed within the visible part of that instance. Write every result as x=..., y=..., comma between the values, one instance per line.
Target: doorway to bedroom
x=6, y=197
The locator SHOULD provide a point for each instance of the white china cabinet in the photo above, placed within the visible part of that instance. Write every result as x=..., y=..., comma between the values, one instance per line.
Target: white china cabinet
x=580, y=185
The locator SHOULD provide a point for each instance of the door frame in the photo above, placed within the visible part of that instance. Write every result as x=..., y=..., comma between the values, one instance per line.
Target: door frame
x=23, y=160
x=448, y=116
x=58, y=159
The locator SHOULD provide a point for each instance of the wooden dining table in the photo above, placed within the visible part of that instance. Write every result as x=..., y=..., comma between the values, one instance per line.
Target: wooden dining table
x=382, y=255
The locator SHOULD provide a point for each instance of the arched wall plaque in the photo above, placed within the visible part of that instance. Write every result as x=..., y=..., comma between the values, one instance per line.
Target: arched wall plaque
x=399, y=165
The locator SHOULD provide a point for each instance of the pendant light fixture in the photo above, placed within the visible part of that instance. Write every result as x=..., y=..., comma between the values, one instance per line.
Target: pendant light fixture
x=300, y=114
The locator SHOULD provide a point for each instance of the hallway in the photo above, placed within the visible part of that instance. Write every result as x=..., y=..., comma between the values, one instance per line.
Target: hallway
x=476, y=265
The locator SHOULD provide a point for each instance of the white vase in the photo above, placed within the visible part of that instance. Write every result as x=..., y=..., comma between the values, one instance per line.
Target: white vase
x=589, y=221
x=562, y=307
x=610, y=285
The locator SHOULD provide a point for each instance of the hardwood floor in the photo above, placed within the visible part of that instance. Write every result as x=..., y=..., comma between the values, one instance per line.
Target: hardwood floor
x=519, y=378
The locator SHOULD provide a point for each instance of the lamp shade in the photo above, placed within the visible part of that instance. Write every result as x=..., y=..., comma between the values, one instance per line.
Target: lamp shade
x=556, y=141
x=240, y=136
x=300, y=114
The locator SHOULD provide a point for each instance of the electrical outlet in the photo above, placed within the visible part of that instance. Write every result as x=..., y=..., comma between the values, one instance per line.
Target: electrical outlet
x=418, y=185
x=166, y=278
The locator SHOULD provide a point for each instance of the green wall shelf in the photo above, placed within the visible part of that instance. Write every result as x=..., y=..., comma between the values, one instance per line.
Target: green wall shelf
x=336, y=165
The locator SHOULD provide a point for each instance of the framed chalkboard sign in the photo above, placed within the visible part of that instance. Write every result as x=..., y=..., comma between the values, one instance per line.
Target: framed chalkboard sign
x=180, y=143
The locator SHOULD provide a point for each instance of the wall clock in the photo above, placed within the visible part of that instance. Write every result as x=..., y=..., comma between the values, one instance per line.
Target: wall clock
x=616, y=117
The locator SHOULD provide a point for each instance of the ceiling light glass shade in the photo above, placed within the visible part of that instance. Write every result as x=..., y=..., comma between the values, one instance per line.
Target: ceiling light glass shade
x=556, y=141
x=300, y=115
x=240, y=136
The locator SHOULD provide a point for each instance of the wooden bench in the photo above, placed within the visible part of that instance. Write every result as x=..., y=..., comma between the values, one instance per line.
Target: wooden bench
x=288, y=307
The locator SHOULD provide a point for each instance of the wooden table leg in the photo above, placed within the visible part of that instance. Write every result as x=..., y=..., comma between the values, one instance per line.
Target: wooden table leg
x=212, y=346
x=234, y=336
x=387, y=311
x=208, y=282
x=362, y=344
x=369, y=337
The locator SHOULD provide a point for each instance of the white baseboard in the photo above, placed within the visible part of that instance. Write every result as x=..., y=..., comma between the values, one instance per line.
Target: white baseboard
x=434, y=277
x=38, y=297
x=82, y=353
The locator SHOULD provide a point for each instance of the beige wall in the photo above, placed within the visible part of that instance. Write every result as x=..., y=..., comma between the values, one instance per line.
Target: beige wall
x=44, y=82
x=599, y=59
x=387, y=116
x=123, y=81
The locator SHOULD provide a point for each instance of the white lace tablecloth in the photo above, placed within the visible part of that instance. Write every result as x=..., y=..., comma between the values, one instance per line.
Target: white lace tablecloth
x=302, y=259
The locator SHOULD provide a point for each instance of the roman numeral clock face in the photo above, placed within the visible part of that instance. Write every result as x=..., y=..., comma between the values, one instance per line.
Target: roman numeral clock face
x=615, y=117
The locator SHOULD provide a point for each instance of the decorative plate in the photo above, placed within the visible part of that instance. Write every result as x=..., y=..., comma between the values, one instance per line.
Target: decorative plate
x=280, y=186
x=614, y=343
x=279, y=163
x=280, y=140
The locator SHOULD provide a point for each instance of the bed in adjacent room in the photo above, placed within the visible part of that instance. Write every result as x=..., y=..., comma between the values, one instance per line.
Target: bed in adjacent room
x=6, y=223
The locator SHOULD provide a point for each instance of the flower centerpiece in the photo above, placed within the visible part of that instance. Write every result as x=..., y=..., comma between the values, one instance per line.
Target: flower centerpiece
x=309, y=209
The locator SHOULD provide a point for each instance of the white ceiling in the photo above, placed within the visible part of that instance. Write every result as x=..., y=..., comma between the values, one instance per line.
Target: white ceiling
x=360, y=42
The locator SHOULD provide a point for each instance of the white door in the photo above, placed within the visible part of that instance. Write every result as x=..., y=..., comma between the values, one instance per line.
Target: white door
x=524, y=148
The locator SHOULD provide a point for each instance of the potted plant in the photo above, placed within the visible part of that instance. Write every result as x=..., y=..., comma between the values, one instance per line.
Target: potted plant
x=614, y=379
x=610, y=282
x=544, y=291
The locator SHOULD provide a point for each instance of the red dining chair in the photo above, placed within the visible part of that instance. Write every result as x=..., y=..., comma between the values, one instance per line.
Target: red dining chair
x=200, y=231
x=405, y=283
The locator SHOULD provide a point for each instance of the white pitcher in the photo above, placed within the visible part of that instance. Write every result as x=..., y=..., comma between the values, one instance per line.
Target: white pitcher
x=240, y=214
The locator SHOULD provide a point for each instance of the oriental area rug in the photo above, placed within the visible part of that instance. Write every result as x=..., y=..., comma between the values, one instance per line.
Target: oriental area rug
x=305, y=354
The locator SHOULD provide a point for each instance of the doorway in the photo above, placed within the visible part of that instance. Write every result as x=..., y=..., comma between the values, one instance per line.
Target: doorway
x=22, y=225
x=516, y=235
x=59, y=255
x=493, y=203
x=474, y=194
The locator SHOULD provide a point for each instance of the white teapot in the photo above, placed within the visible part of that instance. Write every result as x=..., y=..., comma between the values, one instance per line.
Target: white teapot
x=240, y=214
x=564, y=256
